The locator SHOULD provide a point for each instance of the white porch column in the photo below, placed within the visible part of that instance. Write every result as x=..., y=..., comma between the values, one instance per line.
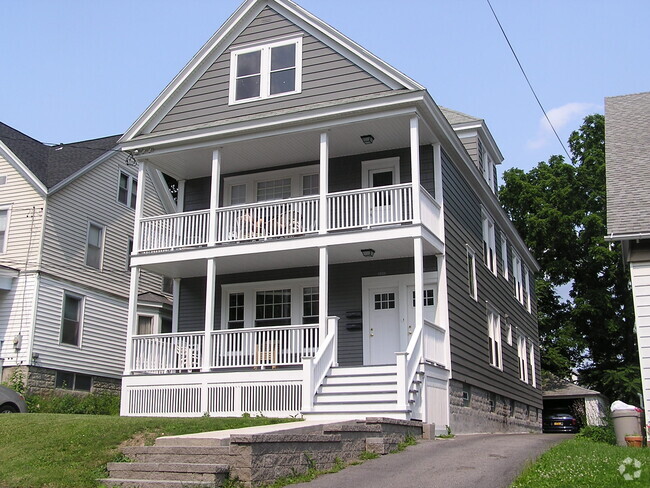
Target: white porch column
x=210, y=295
x=214, y=196
x=132, y=319
x=180, y=196
x=323, y=182
x=415, y=166
x=418, y=270
x=323, y=292
x=176, y=301
x=139, y=205
x=437, y=172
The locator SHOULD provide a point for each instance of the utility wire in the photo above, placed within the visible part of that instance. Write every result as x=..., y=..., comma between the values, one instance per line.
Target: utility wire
x=528, y=81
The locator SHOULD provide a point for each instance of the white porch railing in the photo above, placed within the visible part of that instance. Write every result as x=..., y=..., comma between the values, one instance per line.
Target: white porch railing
x=174, y=231
x=167, y=353
x=408, y=365
x=370, y=206
x=430, y=212
x=433, y=345
x=262, y=347
x=315, y=368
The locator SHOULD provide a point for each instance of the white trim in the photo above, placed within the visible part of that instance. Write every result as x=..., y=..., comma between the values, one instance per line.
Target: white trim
x=22, y=169
x=129, y=188
x=495, y=336
x=82, y=308
x=102, y=244
x=376, y=165
x=504, y=255
x=4, y=244
x=472, y=289
x=522, y=356
x=489, y=242
x=88, y=167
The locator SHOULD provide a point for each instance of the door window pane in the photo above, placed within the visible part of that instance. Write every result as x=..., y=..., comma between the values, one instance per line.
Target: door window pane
x=237, y=194
x=274, y=189
x=310, y=305
x=273, y=307
x=310, y=185
x=384, y=301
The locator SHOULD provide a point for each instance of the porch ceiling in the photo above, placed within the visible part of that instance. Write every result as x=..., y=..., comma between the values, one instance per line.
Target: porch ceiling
x=296, y=145
x=250, y=261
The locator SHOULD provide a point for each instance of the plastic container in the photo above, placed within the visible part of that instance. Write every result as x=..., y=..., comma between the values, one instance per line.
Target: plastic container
x=627, y=422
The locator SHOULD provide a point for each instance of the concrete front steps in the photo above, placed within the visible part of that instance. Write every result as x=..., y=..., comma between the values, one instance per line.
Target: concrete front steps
x=255, y=455
x=359, y=392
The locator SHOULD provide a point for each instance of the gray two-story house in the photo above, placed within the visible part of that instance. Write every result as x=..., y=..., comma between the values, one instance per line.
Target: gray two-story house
x=338, y=250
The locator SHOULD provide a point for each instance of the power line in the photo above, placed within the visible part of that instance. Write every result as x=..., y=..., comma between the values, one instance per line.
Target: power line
x=528, y=81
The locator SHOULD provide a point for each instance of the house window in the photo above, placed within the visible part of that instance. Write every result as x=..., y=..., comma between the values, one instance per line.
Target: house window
x=94, y=245
x=127, y=189
x=471, y=273
x=167, y=285
x=273, y=307
x=310, y=185
x=238, y=194
x=509, y=334
x=71, y=319
x=517, y=276
x=523, y=362
x=3, y=179
x=504, y=255
x=531, y=358
x=384, y=301
x=236, y=311
x=467, y=395
x=494, y=339
x=527, y=289
x=4, y=225
x=73, y=381
x=266, y=71
x=486, y=165
x=274, y=189
x=489, y=246
x=310, y=305
x=129, y=251
x=145, y=324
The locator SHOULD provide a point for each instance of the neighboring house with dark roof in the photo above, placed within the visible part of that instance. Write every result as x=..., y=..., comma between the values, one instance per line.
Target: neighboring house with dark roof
x=563, y=396
x=627, y=138
x=66, y=224
x=338, y=250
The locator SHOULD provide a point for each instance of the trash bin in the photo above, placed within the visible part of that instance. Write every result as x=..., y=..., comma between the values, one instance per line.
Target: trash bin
x=627, y=422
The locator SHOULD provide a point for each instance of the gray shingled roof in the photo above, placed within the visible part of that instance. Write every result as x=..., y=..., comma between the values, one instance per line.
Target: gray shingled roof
x=455, y=117
x=51, y=165
x=565, y=389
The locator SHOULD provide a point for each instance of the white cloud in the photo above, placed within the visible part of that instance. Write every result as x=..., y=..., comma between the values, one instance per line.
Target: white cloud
x=571, y=113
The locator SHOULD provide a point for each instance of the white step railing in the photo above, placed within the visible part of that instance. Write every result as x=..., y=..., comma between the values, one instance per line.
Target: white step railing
x=174, y=231
x=433, y=344
x=265, y=220
x=262, y=347
x=167, y=353
x=370, y=206
x=408, y=365
x=315, y=368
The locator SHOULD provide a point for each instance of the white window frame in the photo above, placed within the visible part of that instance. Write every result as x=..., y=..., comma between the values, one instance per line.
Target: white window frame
x=522, y=354
x=531, y=359
x=250, y=289
x=517, y=270
x=495, y=350
x=527, y=288
x=471, y=273
x=155, y=322
x=486, y=165
x=489, y=242
x=378, y=165
x=504, y=255
x=129, y=250
x=82, y=307
x=101, y=248
x=131, y=199
x=265, y=69
x=509, y=333
x=5, y=239
x=251, y=181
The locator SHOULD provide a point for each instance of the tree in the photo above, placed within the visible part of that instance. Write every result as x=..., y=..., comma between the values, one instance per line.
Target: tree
x=560, y=209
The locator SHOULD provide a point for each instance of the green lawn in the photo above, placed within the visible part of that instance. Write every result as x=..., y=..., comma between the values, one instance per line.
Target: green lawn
x=53, y=450
x=579, y=463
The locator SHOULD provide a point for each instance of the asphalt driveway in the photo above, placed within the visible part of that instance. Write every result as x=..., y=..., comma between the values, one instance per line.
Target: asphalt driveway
x=485, y=460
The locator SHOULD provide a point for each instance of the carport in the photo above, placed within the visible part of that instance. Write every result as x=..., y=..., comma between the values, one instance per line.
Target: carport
x=582, y=402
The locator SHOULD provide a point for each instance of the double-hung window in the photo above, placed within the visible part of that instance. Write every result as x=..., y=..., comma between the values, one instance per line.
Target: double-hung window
x=504, y=255
x=486, y=165
x=518, y=277
x=494, y=339
x=471, y=273
x=489, y=244
x=127, y=189
x=531, y=357
x=4, y=225
x=71, y=317
x=522, y=352
x=94, y=246
x=260, y=72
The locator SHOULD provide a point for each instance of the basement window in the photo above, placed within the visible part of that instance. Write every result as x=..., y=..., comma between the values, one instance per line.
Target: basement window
x=73, y=381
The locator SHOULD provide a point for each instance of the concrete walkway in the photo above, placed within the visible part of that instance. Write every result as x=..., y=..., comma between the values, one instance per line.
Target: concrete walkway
x=483, y=460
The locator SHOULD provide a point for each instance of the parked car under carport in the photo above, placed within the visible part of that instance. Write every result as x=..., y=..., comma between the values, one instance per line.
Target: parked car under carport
x=560, y=422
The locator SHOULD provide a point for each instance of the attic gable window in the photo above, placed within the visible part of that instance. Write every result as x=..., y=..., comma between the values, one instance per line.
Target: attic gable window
x=266, y=71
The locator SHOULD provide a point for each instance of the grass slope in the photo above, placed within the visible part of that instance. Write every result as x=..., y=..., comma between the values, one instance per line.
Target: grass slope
x=51, y=450
x=579, y=463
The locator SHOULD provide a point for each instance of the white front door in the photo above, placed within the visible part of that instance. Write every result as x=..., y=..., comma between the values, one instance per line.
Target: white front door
x=383, y=331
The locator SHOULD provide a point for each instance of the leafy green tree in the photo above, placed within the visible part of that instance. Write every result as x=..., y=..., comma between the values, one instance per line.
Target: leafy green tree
x=560, y=208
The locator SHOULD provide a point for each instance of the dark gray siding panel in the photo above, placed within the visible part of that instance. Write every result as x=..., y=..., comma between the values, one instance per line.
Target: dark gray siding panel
x=327, y=76
x=191, y=314
x=467, y=317
x=197, y=194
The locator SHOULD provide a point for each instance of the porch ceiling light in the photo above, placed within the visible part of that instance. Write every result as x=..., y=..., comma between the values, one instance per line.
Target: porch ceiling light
x=368, y=253
x=367, y=139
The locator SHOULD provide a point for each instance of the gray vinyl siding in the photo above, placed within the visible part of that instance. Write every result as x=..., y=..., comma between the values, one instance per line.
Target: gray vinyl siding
x=471, y=146
x=327, y=76
x=344, y=296
x=467, y=317
x=16, y=317
x=344, y=174
x=25, y=226
x=93, y=198
x=103, y=337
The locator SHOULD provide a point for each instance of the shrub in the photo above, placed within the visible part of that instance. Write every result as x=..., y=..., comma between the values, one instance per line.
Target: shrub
x=91, y=404
x=595, y=433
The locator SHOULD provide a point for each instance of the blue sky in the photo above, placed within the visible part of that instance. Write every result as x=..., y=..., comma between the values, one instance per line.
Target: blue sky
x=77, y=69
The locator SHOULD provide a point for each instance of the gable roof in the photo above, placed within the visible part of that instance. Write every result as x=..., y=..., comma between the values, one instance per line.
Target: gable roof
x=228, y=33
x=455, y=117
x=53, y=164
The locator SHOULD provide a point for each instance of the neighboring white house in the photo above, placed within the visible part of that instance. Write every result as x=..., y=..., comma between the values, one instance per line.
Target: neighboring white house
x=66, y=223
x=627, y=136
x=338, y=249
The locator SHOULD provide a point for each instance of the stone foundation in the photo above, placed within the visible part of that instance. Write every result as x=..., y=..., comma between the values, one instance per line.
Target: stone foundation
x=489, y=413
x=40, y=381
